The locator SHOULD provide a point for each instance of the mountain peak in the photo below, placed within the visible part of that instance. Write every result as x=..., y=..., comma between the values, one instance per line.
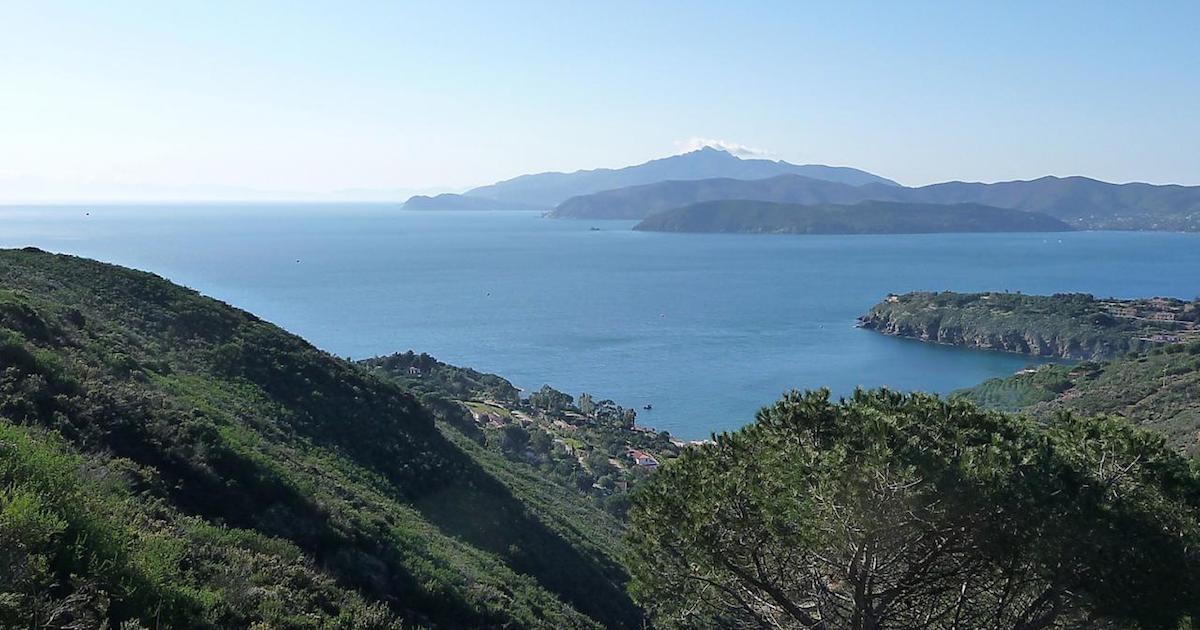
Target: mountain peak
x=707, y=153
x=547, y=190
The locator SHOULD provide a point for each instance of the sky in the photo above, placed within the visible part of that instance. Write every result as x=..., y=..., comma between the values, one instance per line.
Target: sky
x=199, y=100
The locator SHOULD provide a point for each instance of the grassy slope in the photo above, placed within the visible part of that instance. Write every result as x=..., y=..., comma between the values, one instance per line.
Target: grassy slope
x=236, y=474
x=1159, y=389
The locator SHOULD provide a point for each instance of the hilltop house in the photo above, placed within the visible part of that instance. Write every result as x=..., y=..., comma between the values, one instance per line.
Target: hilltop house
x=414, y=370
x=493, y=420
x=1122, y=310
x=642, y=458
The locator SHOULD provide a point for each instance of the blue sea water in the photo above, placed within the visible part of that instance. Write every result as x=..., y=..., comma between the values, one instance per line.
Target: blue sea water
x=707, y=328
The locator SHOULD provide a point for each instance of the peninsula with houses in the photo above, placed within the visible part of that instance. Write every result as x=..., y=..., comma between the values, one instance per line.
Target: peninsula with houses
x=1065, y=325
x=1137, y=359
x=593, y=445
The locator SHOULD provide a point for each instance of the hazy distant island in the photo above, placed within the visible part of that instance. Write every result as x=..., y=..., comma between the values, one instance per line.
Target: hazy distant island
x=1080, y=202
x=1066, y=325
x=705, y=175
x=544, y=191
x=450, y=201
x=867, y=217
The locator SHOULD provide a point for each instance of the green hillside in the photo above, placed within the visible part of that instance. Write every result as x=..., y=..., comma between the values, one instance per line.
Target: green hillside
x=867, y=217
x=170, y=461
x=1159, y=389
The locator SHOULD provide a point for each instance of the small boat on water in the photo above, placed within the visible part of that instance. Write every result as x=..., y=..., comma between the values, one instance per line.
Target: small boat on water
x=648, y=407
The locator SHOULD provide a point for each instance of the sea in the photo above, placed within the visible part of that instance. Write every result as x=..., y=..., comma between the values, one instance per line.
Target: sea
x=704, y=328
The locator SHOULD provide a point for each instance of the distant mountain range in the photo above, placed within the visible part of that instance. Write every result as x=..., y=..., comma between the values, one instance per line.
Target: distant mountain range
x=709, y=174
x=1080, y=202
x=867, y=217
x=639, y=202
x=546, y=190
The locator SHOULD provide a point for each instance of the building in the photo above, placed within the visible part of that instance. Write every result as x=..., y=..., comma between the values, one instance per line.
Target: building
x=414, y=370
x=1122, y=311
x=1162, y=316
x=491, y=419
x=642, y=458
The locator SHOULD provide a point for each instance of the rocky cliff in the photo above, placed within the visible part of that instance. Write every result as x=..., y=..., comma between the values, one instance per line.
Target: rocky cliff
x=1068, y=326
x=1020, y=341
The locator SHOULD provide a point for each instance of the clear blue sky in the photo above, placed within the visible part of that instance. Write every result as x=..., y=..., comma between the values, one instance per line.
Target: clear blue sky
x=207, y=97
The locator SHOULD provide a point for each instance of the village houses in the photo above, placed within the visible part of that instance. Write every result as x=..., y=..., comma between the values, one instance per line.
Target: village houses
x=642, y=458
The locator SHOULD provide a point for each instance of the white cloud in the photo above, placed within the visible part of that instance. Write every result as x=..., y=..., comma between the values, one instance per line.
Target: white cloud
x=733, y=148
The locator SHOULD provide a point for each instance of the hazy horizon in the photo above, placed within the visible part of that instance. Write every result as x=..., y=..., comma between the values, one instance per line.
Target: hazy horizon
x=144, y=102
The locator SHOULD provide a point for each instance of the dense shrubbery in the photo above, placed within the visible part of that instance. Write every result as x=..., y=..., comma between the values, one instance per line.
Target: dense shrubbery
x=549, y=399
x=79, y=549
x=1027, y=388
x=893, y=511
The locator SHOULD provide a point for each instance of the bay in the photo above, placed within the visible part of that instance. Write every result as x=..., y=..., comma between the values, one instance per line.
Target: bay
x=705, y=327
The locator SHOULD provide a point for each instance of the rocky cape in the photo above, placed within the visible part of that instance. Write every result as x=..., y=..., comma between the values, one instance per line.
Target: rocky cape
x=1020, y=342
x=1068, y=326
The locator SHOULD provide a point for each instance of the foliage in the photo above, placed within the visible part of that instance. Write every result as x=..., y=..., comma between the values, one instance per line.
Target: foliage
x=1026, y=388
x=81, y=550
x=895, y=511
x=448, y=380
x=587, y=406
x=1159, y=390
x=514, y=438
x=549, y=399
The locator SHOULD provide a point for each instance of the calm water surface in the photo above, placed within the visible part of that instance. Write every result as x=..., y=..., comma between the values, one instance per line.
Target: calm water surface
x=707, y=328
